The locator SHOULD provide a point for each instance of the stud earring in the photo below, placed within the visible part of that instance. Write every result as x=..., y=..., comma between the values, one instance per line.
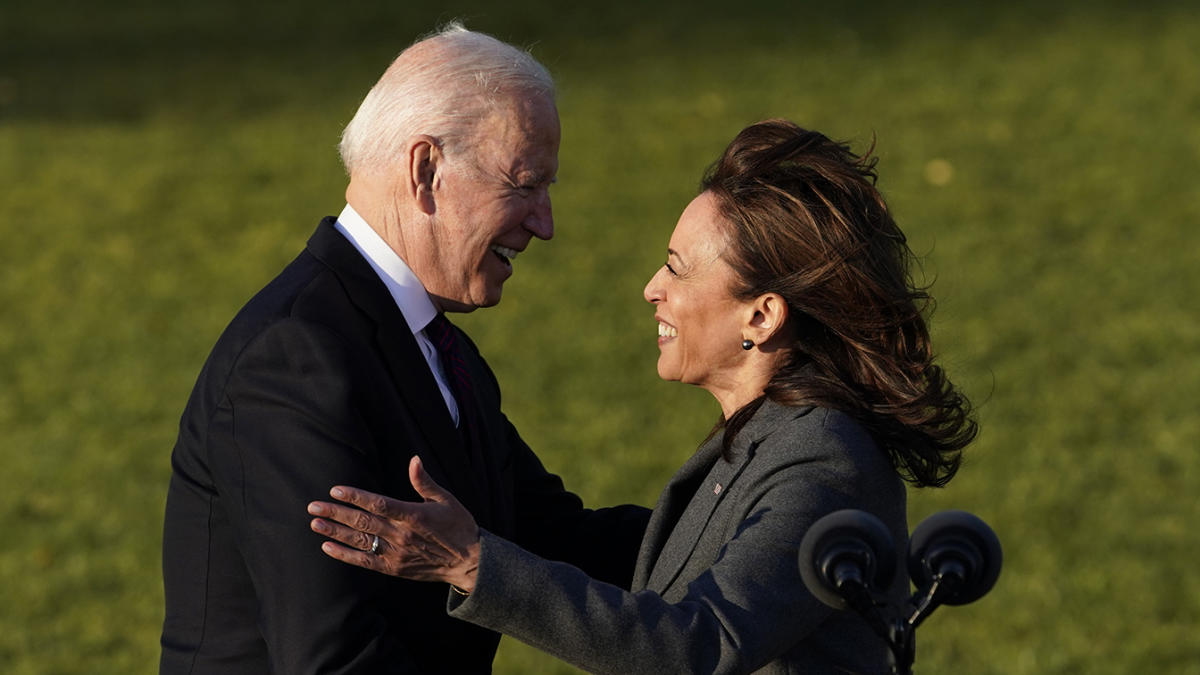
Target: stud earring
x=747, y=344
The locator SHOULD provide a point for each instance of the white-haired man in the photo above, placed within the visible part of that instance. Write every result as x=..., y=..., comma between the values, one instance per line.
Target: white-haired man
x=343, y=367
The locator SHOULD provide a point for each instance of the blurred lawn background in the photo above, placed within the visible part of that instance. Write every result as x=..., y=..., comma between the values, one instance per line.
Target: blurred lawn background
x=160, y=161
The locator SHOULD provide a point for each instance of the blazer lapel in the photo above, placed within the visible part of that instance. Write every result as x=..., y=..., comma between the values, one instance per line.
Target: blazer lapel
x=694, y=495
x=491, y=431
x=713, y=487
x=446, y=460
x=671, y=504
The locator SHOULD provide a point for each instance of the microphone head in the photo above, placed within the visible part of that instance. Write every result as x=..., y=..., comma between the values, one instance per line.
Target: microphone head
x=844, y=551
x=958, y=548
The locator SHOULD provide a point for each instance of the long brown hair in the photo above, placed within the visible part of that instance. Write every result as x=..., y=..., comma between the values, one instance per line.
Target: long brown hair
x=806, y=221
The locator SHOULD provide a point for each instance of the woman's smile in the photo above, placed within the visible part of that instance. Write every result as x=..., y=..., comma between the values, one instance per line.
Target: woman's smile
x=666, y=332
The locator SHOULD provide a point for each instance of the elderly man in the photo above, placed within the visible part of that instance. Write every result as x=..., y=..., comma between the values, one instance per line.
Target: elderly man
x=344, y=367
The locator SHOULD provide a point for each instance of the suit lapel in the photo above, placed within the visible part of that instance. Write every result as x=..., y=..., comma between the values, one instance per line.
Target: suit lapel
x=446, y=460
x=697, y=511
x=693, y=496
x=490, y=432
x=671, y=504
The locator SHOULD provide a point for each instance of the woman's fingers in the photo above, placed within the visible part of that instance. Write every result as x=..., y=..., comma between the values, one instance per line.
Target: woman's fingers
x=354, y=556
x=400, y=553
x=373, y=551
x=425, y=486
x=370, y=501
x=352, y=518
x=387, y=507
x=360, y=541
x=433, y=540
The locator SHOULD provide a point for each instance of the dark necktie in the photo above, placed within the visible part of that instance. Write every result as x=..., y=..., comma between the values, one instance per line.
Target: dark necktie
x=445, y=340
x=450, y=350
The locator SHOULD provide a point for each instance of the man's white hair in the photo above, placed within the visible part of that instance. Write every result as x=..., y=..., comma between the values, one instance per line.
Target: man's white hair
x=441, y=86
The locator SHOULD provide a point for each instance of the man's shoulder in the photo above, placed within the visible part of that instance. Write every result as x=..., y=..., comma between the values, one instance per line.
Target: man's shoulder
x=305, y=289
x=305, y=298
x=309, y=286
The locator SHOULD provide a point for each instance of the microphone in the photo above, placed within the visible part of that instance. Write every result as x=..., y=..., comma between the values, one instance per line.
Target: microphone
x=955, y=554
x=848, y=559
x=847, y=556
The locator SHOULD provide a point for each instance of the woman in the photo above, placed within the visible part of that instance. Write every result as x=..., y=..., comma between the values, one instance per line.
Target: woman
x=786, y=294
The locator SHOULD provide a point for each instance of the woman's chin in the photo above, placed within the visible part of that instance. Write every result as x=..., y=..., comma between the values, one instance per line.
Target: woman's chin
x=666, y=371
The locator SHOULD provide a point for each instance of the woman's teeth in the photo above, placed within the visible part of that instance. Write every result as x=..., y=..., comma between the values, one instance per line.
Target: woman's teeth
x=666, y=331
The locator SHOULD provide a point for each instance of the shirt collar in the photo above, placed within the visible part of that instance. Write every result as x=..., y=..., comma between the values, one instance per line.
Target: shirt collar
x=405, y=287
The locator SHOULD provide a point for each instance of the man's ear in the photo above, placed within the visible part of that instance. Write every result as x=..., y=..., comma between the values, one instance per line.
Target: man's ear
x=425, y=161
x=769, y=315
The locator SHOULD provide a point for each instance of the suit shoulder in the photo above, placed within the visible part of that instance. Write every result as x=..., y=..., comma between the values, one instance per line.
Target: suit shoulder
x=828, y=452
x=826, y=435
x=301, y=286
x=303, y=298
x=838, y=425
x=306, y=291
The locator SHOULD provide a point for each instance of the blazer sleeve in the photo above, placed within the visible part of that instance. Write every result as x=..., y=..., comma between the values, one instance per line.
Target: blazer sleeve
x=745, y=610
x=286, y=428
x=553, y=523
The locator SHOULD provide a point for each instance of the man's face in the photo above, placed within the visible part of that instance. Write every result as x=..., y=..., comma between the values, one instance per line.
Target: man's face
x=492, y=197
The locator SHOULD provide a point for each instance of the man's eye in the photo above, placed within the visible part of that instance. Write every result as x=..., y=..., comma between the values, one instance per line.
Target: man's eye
x=670, y=269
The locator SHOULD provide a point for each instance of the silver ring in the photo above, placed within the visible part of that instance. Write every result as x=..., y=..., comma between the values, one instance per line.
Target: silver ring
x=375, y=545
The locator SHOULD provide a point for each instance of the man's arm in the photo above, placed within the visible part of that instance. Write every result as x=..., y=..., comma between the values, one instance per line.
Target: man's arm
x=288, y=426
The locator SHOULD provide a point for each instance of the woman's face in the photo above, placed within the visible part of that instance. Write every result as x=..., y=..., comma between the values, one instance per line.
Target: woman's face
x=699, y=320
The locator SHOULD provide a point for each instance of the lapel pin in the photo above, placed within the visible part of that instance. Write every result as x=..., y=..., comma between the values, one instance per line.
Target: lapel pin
x=717, y=489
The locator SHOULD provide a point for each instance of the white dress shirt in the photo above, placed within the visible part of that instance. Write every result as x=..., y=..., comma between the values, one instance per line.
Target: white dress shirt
x=406, y=290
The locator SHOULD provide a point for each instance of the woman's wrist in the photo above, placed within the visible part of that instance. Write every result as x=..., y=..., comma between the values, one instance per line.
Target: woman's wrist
x=462, y=579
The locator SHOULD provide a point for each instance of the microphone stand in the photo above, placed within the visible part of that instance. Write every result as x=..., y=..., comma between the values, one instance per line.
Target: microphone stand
x=885, y=621
x=954, y=559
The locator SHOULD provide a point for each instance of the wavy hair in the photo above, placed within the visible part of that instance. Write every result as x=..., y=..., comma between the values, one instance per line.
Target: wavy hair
x=806, y=221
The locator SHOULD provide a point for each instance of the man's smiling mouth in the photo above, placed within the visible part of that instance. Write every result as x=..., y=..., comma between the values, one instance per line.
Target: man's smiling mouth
x=504, y=253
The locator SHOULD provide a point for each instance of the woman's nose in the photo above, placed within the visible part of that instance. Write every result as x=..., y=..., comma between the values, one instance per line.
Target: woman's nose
x=653, y=290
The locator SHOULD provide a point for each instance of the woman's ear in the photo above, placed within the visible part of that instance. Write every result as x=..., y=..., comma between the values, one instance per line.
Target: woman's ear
x=770, y=315
x=425, y=161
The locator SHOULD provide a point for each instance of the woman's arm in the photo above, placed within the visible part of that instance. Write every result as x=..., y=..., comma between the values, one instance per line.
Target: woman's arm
x=745, y=608
x=433, y=540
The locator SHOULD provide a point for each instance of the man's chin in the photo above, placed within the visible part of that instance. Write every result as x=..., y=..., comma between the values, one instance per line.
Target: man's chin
x=491, y=298
x=490, y=301
x=456, y=306
x=490, y=294
x=473, y=299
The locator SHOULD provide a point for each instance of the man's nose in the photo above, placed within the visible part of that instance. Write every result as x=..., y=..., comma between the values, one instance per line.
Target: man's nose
x=540, y=222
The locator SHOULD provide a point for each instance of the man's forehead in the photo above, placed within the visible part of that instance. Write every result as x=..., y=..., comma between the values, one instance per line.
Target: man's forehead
x=518, y=144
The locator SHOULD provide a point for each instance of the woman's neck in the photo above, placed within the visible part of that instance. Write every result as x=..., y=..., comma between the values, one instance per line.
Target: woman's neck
x=735, y=393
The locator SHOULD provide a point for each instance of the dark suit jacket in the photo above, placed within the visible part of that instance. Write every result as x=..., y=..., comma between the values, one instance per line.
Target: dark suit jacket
x=717, y=587
x=319, y=381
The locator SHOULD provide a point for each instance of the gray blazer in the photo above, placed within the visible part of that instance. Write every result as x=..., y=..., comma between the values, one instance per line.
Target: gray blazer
x=717, y=587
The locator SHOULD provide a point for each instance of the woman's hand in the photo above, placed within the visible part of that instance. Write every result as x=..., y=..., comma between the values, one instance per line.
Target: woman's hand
x=435, y=540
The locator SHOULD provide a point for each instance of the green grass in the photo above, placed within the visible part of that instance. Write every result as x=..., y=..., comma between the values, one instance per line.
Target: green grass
x=158, y=164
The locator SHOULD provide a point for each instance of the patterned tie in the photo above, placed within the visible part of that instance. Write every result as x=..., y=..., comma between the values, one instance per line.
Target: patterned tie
x=450, y=350
x=441, y=332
